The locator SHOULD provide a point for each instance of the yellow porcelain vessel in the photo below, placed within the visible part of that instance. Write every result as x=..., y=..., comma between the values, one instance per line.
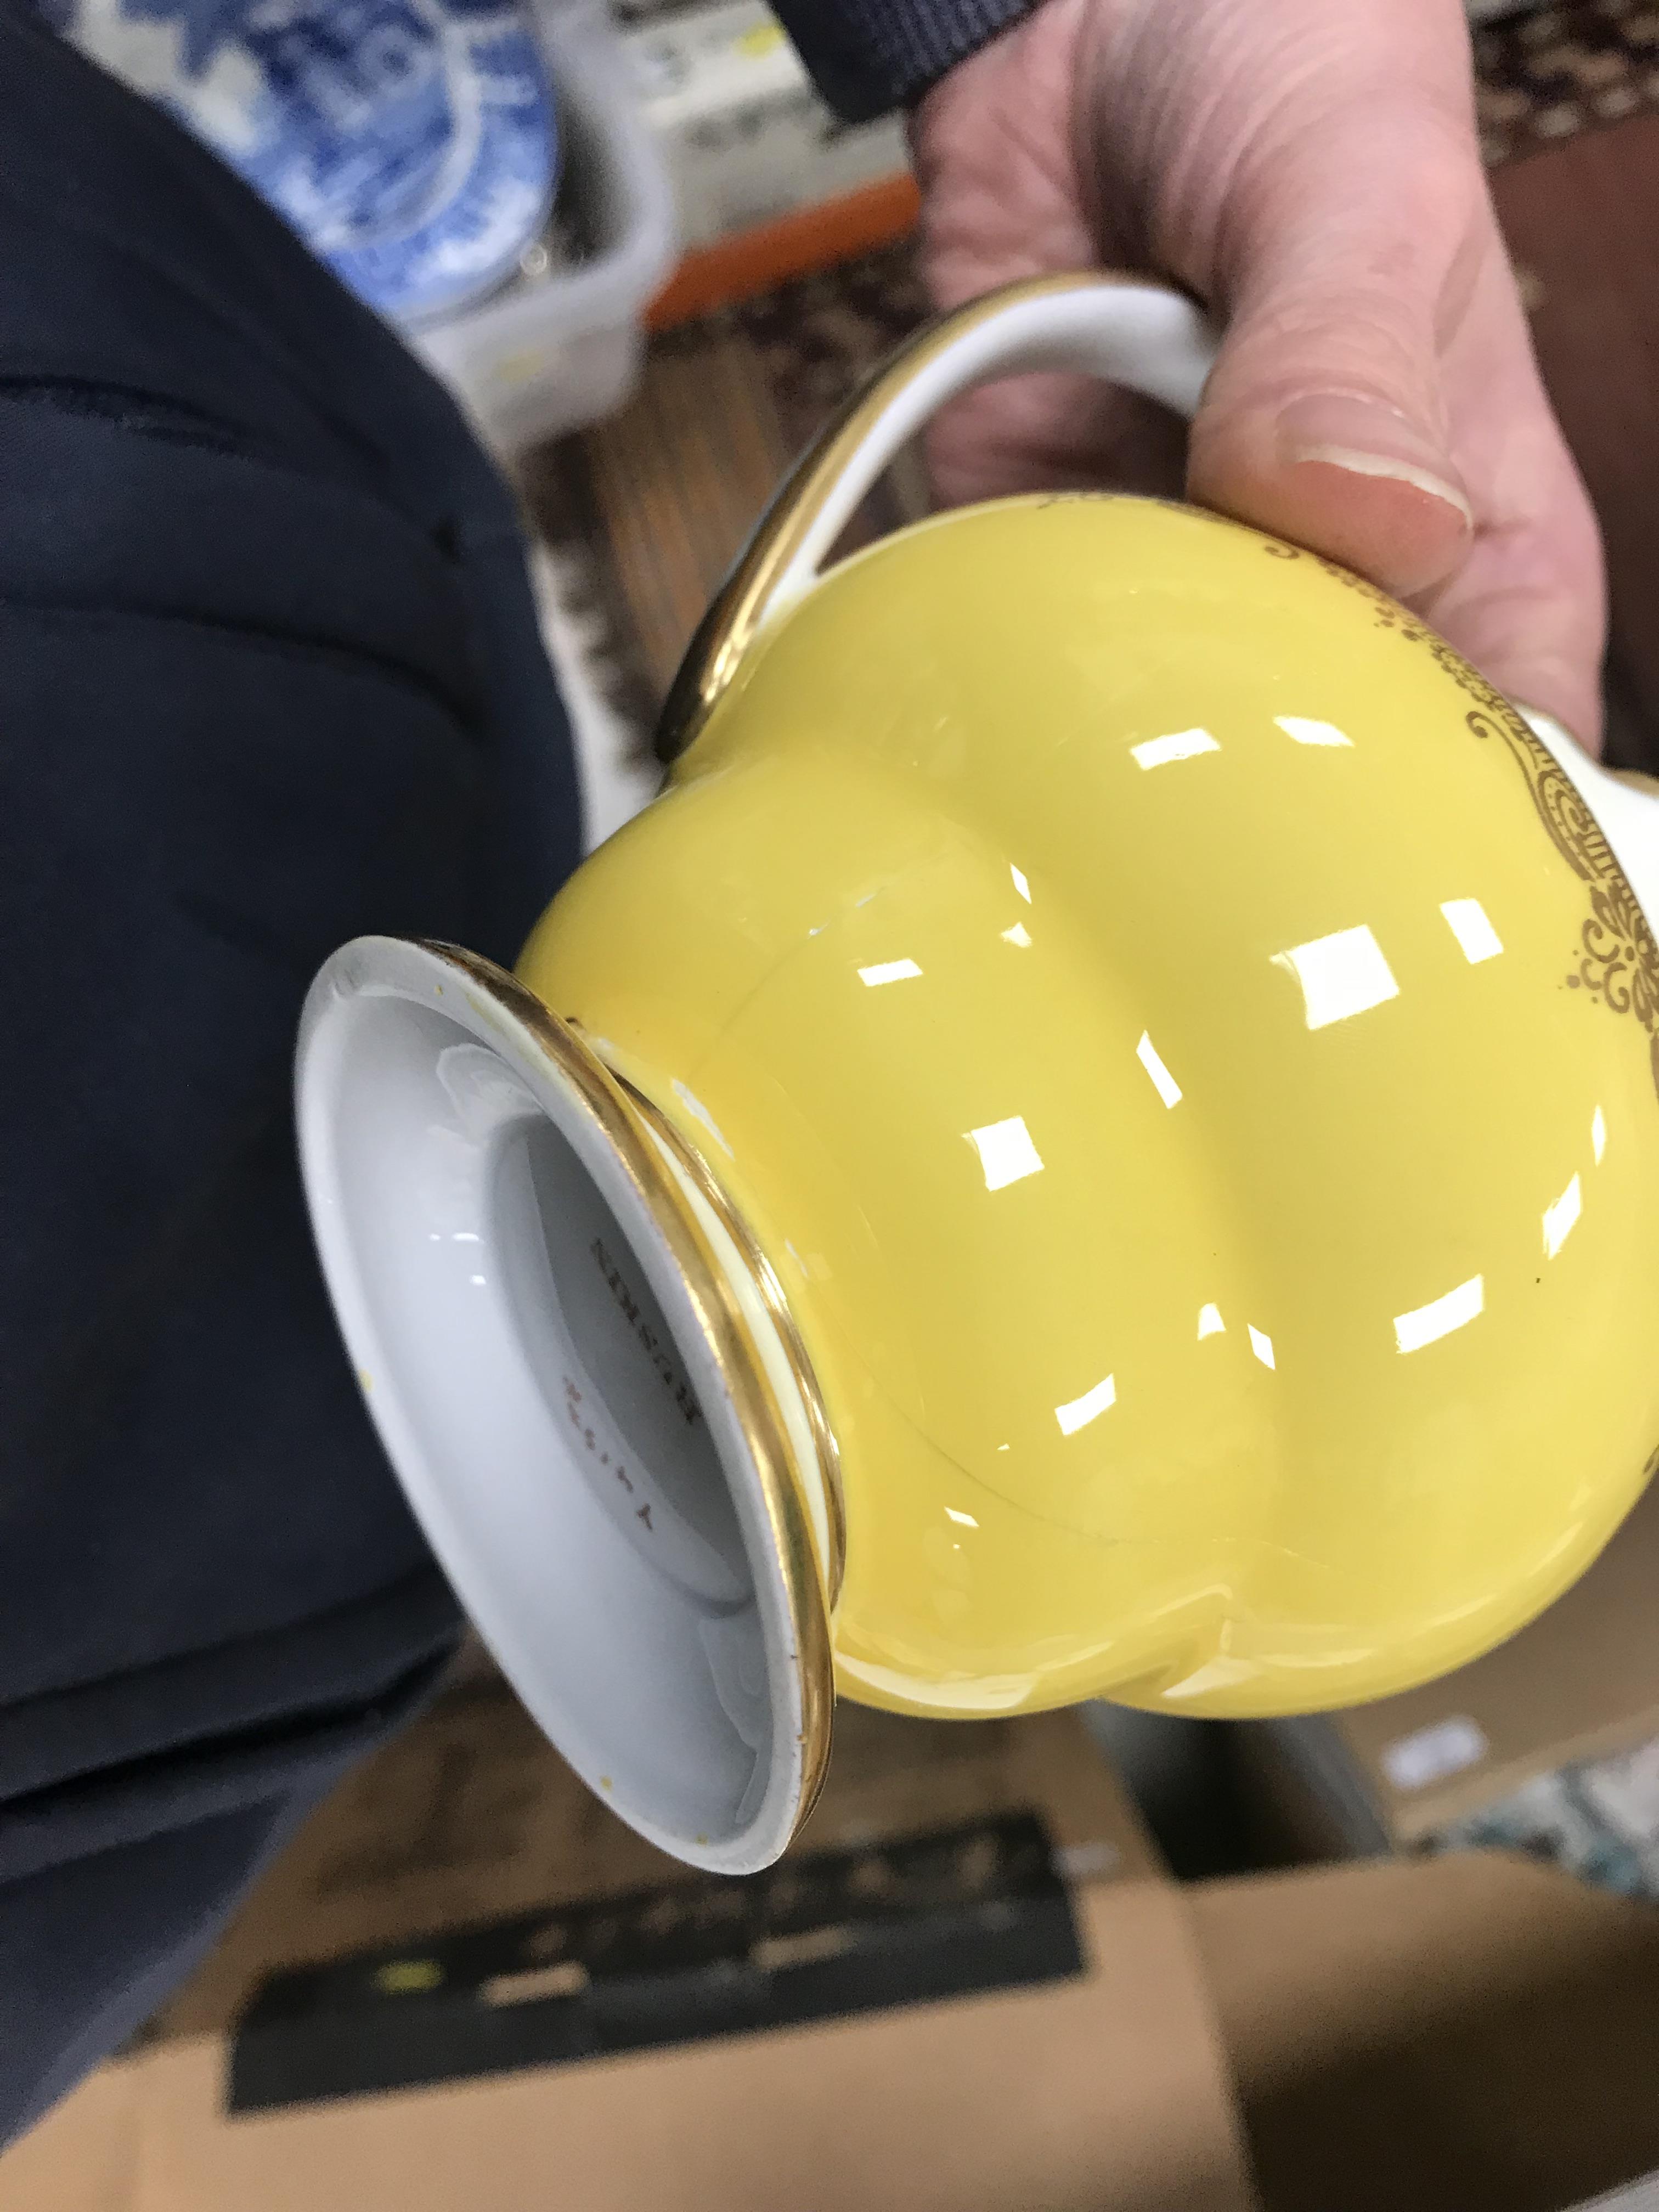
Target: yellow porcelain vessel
x=1177, y=1051
x=1130, y=980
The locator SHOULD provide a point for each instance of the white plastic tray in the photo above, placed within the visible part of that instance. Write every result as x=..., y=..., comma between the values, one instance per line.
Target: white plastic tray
x=553, y=351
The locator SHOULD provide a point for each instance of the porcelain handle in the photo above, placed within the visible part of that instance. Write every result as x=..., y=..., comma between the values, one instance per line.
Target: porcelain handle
x=1129, y=332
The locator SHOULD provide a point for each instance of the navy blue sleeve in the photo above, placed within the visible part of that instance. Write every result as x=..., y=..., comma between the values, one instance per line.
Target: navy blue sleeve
x=868, y=56
x=270, y=675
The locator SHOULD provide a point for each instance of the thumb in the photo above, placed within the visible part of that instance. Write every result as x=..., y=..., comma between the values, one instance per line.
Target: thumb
x=1353, y=257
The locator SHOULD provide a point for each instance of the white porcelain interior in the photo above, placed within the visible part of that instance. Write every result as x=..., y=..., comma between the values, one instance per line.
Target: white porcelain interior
x=532, y=1357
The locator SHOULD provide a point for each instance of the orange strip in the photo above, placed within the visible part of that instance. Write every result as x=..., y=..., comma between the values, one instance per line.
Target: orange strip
x=813, y=238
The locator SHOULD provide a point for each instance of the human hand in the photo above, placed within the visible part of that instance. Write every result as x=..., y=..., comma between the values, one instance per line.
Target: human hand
x=1311, y=172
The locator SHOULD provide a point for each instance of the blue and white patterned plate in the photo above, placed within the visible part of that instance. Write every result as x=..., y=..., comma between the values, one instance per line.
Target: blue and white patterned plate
x=410, y=142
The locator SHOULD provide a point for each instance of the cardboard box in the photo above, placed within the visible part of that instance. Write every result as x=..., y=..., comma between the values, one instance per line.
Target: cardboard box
x=969, y=1987
x=1580, y=1685
x=769, y=183
x=1471, y=2034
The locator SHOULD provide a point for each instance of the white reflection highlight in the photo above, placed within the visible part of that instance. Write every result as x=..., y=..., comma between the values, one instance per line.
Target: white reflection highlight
x=1018, y=935
x=1559, y=1219
x=888, y=971
x=1262, y=1344
x=1426, y=1324
x=1311, y=733
x=693, y=1104
x=1218, y=1673
x=1089, y=1408
x=1598, y=1134
x=1006, y=1152
x=1340, y=975
x=1180, y=744
x=1210, y=1323
x=962, y=1520
x=1466, y=919
x=1163, y=1082
x=1020, y=884
x=983, y=1693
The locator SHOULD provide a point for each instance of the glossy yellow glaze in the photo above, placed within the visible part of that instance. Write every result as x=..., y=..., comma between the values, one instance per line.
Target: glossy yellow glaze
x=1130, y=1004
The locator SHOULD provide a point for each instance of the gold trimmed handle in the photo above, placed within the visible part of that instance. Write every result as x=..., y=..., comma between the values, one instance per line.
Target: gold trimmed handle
x=1128, y=331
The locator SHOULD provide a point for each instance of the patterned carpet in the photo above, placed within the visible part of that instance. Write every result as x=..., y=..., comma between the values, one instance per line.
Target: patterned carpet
x=1547, y=76
x=641, y=515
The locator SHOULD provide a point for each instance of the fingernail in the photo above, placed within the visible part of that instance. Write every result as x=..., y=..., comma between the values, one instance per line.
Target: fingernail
x=1368, y=437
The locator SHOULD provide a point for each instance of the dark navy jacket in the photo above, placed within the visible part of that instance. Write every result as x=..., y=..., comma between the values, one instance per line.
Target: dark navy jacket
x=270, y=677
